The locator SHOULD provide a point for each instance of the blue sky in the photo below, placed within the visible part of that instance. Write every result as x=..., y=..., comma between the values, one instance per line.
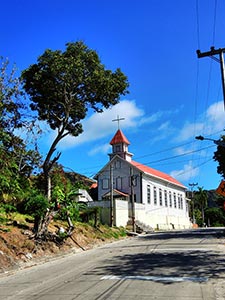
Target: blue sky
x=173, y=97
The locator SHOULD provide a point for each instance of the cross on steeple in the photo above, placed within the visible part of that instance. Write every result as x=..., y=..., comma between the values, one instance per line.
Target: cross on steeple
x=118, y=120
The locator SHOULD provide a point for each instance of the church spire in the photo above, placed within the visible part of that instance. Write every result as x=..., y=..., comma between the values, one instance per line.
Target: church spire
x=119, y=145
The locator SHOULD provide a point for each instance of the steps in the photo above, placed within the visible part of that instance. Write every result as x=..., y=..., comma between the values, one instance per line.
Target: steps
x=141, y=227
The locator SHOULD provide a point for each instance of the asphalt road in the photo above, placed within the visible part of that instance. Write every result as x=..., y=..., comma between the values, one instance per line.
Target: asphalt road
x=186, y=265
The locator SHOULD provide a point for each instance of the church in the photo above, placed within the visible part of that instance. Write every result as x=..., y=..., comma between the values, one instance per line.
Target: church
x=132, y=193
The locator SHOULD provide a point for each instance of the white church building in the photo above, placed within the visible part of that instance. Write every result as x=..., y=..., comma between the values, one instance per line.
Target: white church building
x=130, y=192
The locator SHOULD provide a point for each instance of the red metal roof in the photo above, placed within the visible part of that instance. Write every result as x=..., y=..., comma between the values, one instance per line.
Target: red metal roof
x=94, y=185
x=156, y=173
x=119, y=137
x=116, y=193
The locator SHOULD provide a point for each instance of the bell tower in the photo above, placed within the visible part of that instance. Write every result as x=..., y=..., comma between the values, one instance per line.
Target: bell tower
x=119, y=145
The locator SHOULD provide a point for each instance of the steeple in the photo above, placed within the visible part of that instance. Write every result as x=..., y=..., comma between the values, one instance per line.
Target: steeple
x=119, y=145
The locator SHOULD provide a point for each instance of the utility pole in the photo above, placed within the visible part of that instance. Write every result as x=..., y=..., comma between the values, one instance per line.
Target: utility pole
x=132, y=199
x=211, y=54
x=111, y=195
x=192, y=185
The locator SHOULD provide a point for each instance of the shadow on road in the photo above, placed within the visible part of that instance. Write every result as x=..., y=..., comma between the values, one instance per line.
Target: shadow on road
x=189, y=263
x=207, y=232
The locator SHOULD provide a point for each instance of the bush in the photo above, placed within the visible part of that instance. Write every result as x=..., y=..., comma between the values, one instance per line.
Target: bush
x=70, y=210
x=215, y=216
x=8, y=208
x=36, y=205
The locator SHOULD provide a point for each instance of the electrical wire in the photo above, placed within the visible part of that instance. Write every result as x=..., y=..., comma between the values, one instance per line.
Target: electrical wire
x=161, y=160
x=179, y=155
x=198, y=27
x=193, y=168
x=214, y=23
x=209, y=83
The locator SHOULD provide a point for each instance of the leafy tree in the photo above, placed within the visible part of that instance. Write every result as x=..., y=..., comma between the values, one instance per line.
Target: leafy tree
x=215, y=216
x=201, y=201
x=16, y=162
x=36, y=205
x=63, y=86
x=198, y=217
x=11, y=94
x=219, y=156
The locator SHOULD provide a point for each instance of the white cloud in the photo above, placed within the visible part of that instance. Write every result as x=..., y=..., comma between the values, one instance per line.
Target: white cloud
x=215, y=116
x=183, y=151
x=208, y=123
x=151, y=119
x=103, y=149
x=189, y=131
x=100, y=125
x=186, y=173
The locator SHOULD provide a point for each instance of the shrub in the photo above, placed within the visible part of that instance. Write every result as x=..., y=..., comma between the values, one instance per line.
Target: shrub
x=36, y=204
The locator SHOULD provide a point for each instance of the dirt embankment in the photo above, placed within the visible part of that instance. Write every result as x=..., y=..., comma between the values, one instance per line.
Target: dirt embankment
x=19, y=249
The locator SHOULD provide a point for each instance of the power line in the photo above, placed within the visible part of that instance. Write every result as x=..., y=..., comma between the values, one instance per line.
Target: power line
x=214, y=23
x=179, y=155
x=198, y=27
x=158, y=152
x=197, y=166
x=183, y=161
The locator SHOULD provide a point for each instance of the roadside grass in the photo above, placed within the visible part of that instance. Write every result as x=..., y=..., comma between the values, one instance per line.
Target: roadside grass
x=17, y=241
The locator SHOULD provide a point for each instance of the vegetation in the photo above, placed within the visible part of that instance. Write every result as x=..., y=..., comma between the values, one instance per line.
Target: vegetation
x=62, y=87
x=208, y=208
x=219, y=156
x=18, y=245
x=200, y=202
x=59, y=90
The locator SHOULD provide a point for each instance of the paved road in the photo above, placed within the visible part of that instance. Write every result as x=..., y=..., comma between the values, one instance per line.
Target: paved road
x=188, y=265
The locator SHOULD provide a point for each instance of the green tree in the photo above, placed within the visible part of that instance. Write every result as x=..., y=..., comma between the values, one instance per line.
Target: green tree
x=201, y=201
x=215, y=216
x=63, y=86
x=219, y=156
x=11, y=95
x=36, y=205
x=16, y=162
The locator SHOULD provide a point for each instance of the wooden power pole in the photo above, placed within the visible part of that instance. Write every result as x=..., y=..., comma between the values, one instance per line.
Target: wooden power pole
x=111, y=196
x=212, y=54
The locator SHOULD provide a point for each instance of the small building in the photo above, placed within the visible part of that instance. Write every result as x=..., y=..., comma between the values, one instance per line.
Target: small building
x=82, y=196
x=130, y=192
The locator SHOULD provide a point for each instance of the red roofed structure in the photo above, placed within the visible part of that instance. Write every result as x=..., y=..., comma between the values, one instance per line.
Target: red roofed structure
x=136, y=191
x=156, y=173
x=118, y=138
x=120, y=146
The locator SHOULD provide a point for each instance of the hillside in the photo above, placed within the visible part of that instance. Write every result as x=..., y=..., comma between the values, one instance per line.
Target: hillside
x=18, y=248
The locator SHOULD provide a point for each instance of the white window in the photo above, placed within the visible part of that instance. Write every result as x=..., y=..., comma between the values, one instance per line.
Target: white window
x=160, y=197
x=181, y=202
x=155, y=196
x=105, y=183
x=148, y=194
x=187, y=206
x=117, y=164
x=165, y=198
x=175, y=200
x=119, y=183
x=179, y=205
x=170, y=198
x=117, y=148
